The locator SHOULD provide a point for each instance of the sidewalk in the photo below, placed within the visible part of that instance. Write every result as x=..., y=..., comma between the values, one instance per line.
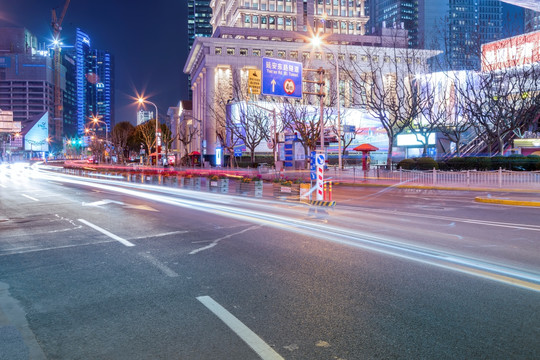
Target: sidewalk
x=517, y=195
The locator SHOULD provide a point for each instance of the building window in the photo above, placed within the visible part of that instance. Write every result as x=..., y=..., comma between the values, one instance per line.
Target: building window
x=281, y=54
x=269, y=52
x=256, y=52
x=330, y=57
x=230, y=51
x=255, y=19
x=352, y=57
x=318, y=56
x=305, y=55
x=243, y=52
x=217, y=51
x=293, y=54
x=248, y=18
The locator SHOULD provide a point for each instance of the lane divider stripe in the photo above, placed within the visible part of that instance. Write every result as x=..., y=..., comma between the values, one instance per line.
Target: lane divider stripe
x=105, y=232
x=249, y=337
x=29, y=197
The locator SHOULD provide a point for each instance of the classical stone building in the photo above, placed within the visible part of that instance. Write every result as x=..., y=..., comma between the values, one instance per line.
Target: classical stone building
x=248, y=31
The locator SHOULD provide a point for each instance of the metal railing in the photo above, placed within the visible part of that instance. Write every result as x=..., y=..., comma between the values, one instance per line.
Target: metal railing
x=469, y=178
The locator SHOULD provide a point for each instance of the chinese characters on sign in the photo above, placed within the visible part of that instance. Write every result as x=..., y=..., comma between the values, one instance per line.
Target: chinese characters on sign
x=281, y=78
x=515, y=51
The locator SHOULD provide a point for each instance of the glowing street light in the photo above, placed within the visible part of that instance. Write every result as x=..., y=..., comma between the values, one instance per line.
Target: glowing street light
x=143, y=101
x=96, y=120
x=316, y=41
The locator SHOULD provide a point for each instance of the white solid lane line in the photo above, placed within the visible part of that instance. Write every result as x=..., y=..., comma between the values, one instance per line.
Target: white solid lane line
x=105, y=232
x=253, y=340
x=29, y=197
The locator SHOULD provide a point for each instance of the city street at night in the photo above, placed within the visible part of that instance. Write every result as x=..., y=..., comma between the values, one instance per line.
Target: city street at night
x=261, y=179
x=110, y=270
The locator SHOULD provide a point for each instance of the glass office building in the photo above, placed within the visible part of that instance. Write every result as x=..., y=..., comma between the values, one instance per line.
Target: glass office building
x=94, y=83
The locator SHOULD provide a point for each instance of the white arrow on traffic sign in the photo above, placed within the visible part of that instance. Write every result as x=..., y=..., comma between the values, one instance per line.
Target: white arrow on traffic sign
x=273, y=85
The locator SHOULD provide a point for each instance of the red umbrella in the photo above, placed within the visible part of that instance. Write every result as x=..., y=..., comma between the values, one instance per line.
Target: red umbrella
x=366, y=147
x=194, y=153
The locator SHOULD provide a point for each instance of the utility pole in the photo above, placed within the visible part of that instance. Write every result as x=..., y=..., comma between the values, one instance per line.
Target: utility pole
x=321, y=95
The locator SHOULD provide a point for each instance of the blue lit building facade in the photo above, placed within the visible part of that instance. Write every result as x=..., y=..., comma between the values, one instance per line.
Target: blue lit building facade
x=82, y=52
x=103, y=65
x=94, y=84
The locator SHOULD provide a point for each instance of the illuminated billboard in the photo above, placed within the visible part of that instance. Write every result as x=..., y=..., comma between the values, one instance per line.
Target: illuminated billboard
x=511, y=52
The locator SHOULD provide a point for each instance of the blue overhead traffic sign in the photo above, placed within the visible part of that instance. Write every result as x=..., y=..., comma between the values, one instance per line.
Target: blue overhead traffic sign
x=281, y=78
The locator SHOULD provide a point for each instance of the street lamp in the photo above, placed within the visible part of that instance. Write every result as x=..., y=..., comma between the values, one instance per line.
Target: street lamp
x=96, y=120
x=143, y=101
x=316, y=41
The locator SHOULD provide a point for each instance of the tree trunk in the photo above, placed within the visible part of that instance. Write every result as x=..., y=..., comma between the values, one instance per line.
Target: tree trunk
x=252, y=156
x=389, y=157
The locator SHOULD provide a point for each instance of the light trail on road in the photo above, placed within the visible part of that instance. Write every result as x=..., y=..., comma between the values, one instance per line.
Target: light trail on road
x=337, y=234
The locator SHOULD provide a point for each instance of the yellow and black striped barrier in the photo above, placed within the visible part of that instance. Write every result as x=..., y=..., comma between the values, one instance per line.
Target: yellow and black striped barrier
x=322, y=203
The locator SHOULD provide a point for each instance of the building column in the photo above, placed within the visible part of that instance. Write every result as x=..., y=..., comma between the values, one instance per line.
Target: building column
x=209, y=118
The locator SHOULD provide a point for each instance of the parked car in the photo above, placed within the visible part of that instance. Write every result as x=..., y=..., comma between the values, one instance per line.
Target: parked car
x=92, y=160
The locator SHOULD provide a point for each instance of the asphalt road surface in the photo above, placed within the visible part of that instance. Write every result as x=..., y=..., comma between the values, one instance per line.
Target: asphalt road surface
x=96, y=269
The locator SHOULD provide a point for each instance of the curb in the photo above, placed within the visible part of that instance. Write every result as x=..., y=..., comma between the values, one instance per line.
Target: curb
x=507, y=202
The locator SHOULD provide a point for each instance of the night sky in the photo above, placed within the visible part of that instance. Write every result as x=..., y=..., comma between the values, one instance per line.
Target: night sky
x=147, y=38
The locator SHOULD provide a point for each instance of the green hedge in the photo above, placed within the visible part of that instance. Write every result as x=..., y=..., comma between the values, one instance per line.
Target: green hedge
x=423, y=163
x=514, y=163
x=406, y=164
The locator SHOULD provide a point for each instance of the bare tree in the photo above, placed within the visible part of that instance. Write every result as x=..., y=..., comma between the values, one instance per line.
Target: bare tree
x=97, y=147
x=239, y=122
x=499, y=93
x=501, y=102
x=300, y=117
x=120, y=135
x=167, y=138
x=429, y=115
x=187, y=132
x=384, y=85
x=146, y=134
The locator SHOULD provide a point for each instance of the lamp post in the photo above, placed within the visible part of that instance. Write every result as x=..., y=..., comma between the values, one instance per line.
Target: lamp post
x=143, y=101
x=96, y=120
x=317, y=41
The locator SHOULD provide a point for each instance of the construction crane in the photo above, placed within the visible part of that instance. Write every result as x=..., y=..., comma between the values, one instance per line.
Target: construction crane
x=56, y=25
